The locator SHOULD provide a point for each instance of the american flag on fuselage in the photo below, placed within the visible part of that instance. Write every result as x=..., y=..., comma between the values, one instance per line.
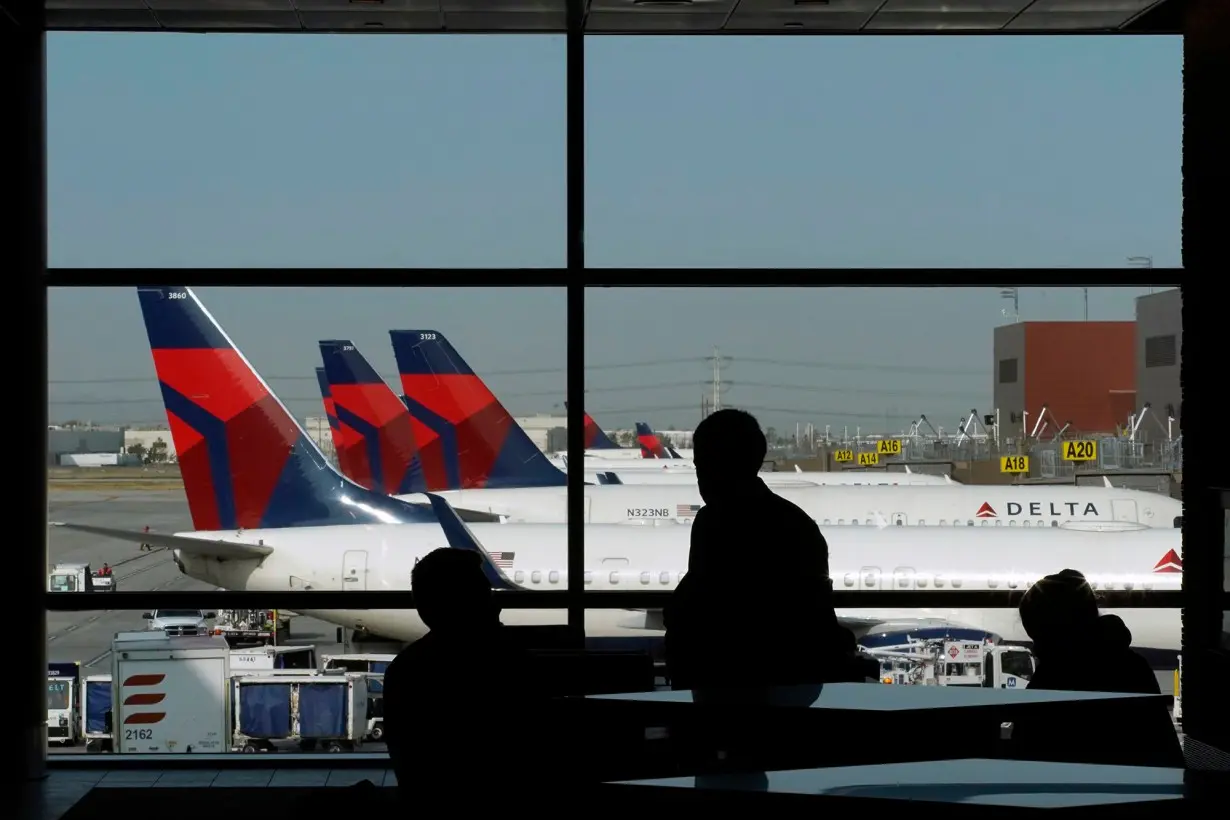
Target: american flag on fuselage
x=503, y=560
x=687, y=510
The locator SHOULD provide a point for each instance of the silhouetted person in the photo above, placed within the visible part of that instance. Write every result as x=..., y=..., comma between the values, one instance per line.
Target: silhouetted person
x=1079, y=650
x=755, y=608
x=447, y=696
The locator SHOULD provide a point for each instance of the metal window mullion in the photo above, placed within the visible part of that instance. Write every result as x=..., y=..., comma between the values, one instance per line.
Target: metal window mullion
x=574, y=66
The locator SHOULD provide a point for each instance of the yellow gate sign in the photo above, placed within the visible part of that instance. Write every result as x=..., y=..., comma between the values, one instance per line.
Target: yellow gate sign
x=843, y=456
x=868, y=459
x=1014, y=464
x=888, y=447
x=1080, y=451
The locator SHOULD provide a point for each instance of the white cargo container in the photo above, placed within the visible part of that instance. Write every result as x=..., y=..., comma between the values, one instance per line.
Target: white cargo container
x=171, y=694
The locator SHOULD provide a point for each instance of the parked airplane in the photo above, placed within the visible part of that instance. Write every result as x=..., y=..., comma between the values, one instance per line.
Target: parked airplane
x=448, y=402
x=271, y=514
x=364, y=402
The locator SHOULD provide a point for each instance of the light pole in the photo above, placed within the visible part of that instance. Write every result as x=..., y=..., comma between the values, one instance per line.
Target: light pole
x=1013, y=294
x=1141, y=262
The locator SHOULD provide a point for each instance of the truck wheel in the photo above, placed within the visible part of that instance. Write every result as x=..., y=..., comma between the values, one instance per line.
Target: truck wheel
x=334, y=746
x=378, y=732
x=250, y=748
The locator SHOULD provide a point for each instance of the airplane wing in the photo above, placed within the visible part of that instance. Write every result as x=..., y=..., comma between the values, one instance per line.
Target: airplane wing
x=194, y=546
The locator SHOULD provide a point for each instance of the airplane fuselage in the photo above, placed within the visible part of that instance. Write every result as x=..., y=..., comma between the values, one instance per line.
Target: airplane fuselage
x=381, y=557
x=953, y=505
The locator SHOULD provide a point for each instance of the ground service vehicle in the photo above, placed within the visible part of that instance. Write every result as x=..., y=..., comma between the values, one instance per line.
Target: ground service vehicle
x=170, y=693
x=326, y=711
x=63, y=703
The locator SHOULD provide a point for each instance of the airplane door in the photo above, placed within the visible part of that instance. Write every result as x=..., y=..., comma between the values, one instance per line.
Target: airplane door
x=1124, y=511
x=869, y=578
x=900, y=520
x=354, y=570
x=903, y=578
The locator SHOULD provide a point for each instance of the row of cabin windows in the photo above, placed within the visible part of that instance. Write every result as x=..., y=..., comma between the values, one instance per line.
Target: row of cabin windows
x=553, y=577
x=902, y=578
x=985, y=522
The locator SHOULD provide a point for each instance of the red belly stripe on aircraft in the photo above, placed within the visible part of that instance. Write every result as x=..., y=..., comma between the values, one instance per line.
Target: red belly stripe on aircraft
x=145, y=680
x=144, y=718
x=144, y=699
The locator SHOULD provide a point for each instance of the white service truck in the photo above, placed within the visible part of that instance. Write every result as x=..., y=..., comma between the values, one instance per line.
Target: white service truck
x=955, y=663
x=176, y=623
x=77, y=577
x=170, y=693
x=326, y=711
x=63, y=703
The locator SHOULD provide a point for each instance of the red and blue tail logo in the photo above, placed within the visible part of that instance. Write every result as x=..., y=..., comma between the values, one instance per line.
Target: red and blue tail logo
x=595, y=437
x=651, y=445
x=347, y=442
x=245, y=461
x=466, y=439
x=386, y=454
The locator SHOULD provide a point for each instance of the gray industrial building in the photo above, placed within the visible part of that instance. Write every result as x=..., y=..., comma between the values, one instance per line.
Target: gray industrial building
x=1008, y=365
x=1159, y=345
x=70, y=441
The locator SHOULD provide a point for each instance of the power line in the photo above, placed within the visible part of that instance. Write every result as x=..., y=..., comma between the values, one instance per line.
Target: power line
x=886, y=368
x=895, y=391
x=395, y=378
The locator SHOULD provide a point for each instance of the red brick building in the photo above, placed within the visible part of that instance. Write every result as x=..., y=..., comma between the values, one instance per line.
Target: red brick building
x=1084, y=372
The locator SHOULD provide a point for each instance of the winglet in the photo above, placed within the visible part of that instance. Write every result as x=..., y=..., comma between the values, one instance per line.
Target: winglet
x=798, y=469
x=462, y=538
x=1106, y=479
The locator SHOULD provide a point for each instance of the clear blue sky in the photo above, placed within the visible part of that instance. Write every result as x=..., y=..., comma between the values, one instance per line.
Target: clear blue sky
x=228, y=151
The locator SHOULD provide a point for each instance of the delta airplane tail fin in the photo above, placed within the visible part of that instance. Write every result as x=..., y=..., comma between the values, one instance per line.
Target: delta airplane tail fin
x=463, y=432
x=595, y=437
x=245, y=461
x=651, y=445
x=345, y=442
x=386, y=459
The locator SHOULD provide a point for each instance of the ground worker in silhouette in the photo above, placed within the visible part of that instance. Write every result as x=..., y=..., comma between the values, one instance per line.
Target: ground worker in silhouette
x=145, y=547
x=755, y=608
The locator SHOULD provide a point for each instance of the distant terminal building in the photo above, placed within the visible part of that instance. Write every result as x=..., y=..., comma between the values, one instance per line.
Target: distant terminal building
x=1159, y=354
x=63, y=443
x=1083, y=372
x=549, y=433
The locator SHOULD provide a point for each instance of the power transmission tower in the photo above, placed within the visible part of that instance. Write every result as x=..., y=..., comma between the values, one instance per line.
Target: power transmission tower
x=718, y=361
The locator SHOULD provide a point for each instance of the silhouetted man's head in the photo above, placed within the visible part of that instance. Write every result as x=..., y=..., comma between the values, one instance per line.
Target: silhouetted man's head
x=1059, y=608
x=451, y=591
x=729, y=449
